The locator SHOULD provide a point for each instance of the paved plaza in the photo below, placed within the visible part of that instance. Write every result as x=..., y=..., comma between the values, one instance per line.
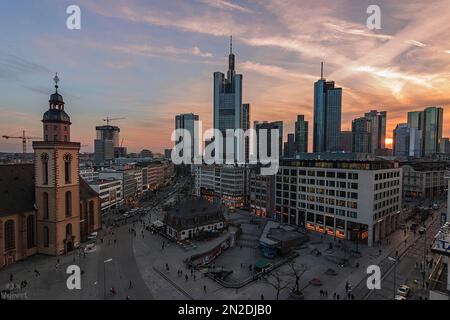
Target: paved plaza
x=142, y=258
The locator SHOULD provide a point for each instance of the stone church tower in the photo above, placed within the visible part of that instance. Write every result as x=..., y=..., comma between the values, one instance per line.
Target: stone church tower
x=57, y=182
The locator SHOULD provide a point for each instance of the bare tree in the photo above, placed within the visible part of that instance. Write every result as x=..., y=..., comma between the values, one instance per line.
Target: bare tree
x=276, y=281
x=297, y=271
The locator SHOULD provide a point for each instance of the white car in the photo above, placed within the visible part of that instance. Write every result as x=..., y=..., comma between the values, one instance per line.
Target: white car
x=398, y=297
x=403, y=290
x=93, y=236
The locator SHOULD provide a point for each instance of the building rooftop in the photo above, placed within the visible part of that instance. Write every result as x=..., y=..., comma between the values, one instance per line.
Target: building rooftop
x=275, y=232
x=193, y=213
x=16, y=188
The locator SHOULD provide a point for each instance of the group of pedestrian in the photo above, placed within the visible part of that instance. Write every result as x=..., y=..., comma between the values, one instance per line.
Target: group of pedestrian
x=324, y=293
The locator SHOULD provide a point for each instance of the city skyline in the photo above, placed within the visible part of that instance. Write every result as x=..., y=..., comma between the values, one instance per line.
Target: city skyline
x=402, y=67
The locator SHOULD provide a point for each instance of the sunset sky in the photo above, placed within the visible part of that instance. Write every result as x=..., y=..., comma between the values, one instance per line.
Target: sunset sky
x=150, y=60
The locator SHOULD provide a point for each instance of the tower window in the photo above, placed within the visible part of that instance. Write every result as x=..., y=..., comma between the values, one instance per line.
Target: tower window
x=68, y=204
x=44, y=159
x=10, y=242
x=65, y=138
x=45, y=205
x=67, y=167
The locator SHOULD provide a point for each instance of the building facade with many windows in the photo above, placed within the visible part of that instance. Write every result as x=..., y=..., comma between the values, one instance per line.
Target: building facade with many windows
x=222, y=184
x=343, y=199
x=424, y=179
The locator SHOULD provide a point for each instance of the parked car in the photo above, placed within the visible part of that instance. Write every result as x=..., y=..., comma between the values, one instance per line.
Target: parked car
x=402, y=226
x=92, y=236
x=422, y=230
x=435, y=206
x=399, y=297
x=403, y=290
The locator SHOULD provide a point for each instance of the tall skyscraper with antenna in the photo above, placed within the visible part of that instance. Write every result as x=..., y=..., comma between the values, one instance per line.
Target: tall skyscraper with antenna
x=327, y=115
x=228, y=109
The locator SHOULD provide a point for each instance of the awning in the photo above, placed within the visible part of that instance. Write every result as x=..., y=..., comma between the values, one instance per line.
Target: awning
x=158, y=224
x=261, y=264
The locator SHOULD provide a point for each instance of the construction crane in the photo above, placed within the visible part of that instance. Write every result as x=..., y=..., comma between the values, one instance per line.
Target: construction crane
x=24, y=139
x=108, y=120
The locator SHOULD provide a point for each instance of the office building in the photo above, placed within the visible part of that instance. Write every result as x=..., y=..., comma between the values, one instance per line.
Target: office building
x=187, y=121
x=378, y=130
x=327, y=116
x=445, y=145
x=289, y=146
x=228, y=109
x=107, y=138
x=424, y=179
x=301, y=134
x=262, y=193
x=111, y=193
x=361, y=135
x=432, y=130
x=346, y=141
x=345, y=199
x=222, y=184
x=269, y=126
x=430, y=124
x=406, y=141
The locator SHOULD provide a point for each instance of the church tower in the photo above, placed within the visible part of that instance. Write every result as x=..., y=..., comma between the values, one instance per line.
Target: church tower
x=57, y=181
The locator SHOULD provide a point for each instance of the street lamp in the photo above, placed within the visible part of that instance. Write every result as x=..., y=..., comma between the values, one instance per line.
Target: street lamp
x=395, y=272
x=104, y=276
x=424, y=256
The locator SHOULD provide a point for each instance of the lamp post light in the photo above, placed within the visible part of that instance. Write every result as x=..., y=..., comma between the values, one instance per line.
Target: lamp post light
x=395, y=272
x=104, y=276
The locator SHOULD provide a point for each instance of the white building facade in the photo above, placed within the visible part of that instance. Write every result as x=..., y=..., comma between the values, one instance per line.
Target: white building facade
x=343, y=199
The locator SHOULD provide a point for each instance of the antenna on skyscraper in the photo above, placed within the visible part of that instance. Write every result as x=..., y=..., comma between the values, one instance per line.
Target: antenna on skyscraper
x=321, y=70
x=231, y=44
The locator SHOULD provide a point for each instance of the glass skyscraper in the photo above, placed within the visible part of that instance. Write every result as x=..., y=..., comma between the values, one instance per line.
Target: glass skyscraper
x=301, y=134
x=378, y=129
x=406, y=141
x=228, y=109
x=432, y=130
x=429, y=123
x=187, y=121
x=361, y=135
x=327, y=116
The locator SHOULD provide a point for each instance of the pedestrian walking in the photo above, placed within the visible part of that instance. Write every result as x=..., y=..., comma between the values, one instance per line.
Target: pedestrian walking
x=321, y=292
x=37, y=273
x=337, y=297
x=186, y=277
x=131, y=285
x=262, y=297
x=204, y=288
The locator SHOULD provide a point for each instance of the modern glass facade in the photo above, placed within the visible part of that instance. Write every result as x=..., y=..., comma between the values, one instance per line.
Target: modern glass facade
x=228, y=109
x=406, y=141
x=277, y=125
x=361, y=135
x=378, y=129
x=187, y=121
x=432, y=130
x=301, y=134
x=327, y=116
